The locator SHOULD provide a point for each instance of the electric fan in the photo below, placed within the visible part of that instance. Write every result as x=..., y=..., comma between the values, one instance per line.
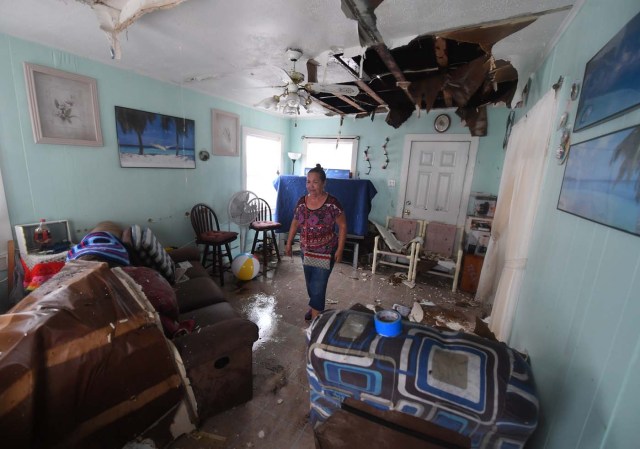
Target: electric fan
x=241, y=214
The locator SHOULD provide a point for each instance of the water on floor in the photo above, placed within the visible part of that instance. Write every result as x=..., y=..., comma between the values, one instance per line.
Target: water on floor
x=277, y=416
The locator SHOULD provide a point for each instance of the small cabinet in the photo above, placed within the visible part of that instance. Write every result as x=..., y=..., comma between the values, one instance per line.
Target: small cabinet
x=471, y=268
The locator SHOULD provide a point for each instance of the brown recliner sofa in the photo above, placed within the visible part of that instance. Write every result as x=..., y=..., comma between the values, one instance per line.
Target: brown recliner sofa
x=85, y=362
x=217, y=355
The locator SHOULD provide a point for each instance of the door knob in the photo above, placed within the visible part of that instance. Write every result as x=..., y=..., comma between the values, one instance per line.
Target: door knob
x=407, y=212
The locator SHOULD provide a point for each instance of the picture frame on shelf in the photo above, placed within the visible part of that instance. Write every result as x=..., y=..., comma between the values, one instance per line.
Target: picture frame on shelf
x=610, y=83
x=152, y=140
x=225, y=130
x=601, y=181
x=63, y=107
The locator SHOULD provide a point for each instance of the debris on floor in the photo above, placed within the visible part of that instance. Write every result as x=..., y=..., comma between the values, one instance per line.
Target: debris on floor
x=417, y=314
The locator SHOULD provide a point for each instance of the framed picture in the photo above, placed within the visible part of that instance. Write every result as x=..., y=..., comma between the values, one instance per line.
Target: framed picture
x=147, y=139
x=602, y=180
x=610, y=85
x=63, y=106
x=226, y=130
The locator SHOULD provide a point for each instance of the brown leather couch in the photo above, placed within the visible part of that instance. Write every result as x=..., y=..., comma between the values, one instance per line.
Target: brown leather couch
x=86, y=363
x=218, y=354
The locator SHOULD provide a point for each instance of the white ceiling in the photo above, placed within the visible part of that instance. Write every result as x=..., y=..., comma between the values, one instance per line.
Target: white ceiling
x=236, y=46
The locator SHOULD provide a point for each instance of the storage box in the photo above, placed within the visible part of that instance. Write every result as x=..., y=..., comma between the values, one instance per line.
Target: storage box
x=60, y=238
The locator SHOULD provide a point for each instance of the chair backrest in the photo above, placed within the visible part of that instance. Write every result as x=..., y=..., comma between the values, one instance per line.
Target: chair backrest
x=440, y=238
x=203, y=219
x=261, y=209
x=405, y=229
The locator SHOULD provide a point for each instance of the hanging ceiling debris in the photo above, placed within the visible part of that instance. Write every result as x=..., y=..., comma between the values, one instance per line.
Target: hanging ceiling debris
x=448, y=69
x=115, y=16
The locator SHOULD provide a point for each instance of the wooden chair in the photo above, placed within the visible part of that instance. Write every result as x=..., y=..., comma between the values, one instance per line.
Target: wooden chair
x=265, y=231
x=401, y=239
x=216, y=242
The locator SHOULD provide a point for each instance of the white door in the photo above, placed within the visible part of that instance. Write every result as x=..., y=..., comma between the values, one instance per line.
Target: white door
x=438, y=178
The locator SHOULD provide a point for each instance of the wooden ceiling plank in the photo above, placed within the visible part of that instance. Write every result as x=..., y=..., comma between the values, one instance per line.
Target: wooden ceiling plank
x=350, y=102
x=388, y=59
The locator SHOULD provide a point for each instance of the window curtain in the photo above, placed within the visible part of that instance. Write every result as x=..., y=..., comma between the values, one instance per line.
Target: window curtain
x=506, y=259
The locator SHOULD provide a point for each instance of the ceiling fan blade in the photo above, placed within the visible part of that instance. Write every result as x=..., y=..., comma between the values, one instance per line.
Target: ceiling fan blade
x=269, y=103
x=337, y=89
x=312, y=70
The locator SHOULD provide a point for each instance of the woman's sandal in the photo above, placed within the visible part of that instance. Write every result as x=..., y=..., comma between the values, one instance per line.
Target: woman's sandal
x=307, y=316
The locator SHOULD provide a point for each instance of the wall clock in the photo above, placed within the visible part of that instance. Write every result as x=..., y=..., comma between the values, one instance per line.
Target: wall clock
x=442, y=123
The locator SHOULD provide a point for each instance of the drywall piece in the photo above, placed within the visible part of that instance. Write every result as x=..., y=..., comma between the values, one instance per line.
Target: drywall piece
x=114, y=16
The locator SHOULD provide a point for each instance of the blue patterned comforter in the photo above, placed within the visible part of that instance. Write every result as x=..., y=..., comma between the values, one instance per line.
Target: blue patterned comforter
x=480, y=388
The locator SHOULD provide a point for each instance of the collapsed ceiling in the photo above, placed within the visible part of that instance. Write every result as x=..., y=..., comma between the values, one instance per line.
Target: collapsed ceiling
x=448, y=69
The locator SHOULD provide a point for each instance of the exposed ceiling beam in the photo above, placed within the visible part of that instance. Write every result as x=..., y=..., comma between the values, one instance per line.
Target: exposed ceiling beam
x=349, y=101
x=328, y=106
x=360, y=83
x=392, y=65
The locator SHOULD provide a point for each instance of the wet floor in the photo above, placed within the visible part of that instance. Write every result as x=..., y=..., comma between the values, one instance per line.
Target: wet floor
x=277, y=416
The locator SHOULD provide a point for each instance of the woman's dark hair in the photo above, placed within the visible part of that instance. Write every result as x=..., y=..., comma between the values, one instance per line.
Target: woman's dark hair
x=319, y=170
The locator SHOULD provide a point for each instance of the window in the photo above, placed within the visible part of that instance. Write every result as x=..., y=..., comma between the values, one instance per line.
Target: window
x=323, y=151
x=262, y=161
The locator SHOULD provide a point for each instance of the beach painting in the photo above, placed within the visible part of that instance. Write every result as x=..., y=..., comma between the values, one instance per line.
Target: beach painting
x=610, y=86
x=151, y=140
x=602, y=180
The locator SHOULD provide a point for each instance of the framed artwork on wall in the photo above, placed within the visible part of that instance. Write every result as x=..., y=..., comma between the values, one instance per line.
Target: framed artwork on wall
x=610, y=85
x=63, y=106
x=602, y=180
x=225, y=128
x=151, y=140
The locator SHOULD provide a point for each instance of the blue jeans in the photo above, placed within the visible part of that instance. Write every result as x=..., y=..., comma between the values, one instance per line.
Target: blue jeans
x=317, y=280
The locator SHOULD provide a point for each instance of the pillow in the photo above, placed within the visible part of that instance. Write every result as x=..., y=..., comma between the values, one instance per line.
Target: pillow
x=151, y=252
x=103, y=245
x=163, y=299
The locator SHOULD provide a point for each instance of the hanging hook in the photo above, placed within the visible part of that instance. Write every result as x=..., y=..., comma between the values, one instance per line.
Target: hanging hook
x=386, y=155
x=366, y=158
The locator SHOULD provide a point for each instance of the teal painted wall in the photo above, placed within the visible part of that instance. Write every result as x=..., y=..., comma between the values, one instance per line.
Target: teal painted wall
x=578, y=310
x=489, y=158
x=87, y=184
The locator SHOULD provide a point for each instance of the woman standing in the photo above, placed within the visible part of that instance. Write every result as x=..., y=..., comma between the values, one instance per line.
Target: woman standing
x=318, y=213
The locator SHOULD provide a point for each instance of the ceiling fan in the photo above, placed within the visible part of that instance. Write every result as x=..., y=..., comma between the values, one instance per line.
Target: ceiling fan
x=296, y=93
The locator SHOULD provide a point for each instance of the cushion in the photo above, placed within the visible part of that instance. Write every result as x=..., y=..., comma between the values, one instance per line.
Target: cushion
x=162, y=297
x=103, y=245
x=265, y=225
x=218, y=237
x=151, y=252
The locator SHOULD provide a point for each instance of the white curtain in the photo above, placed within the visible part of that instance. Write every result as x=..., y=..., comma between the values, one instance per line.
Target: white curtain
x=506, y=259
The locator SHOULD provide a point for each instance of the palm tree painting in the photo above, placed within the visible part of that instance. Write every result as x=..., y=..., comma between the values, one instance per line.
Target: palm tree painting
x=602, y=180
x=148, y=139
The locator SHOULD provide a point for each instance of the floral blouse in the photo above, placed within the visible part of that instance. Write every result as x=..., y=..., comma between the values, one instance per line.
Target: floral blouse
x=317, y=226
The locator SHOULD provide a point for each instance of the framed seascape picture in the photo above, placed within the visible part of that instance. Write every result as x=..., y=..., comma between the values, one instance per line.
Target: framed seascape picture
x=147, y=139
x=225, y=128
x=63, y=106
x=610, y=86
x=602, y=180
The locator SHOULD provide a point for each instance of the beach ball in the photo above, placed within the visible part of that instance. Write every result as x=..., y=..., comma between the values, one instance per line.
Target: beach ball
x=245, y=266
